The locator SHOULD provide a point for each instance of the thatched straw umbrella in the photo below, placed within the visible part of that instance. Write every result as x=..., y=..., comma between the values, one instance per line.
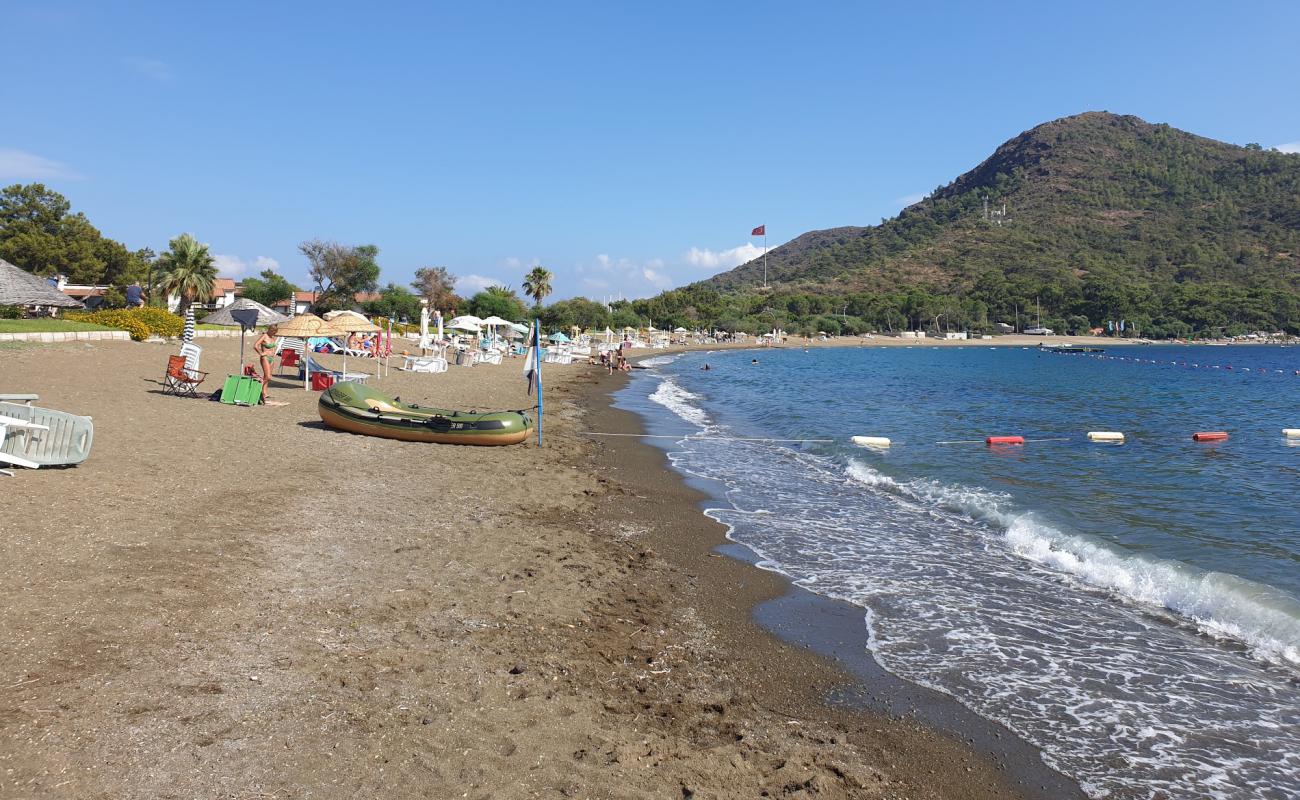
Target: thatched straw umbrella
x=305, y=326
x=352, y=322
x=18, y=287
x=225, y=316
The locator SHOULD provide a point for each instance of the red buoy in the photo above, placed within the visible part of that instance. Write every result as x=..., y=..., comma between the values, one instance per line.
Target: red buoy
x=1007, y=440
x=1209, y=436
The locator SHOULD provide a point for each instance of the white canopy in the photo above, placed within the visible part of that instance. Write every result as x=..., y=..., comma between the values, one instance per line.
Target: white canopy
x=680, y=330
x=495, y=322
x=469, y=322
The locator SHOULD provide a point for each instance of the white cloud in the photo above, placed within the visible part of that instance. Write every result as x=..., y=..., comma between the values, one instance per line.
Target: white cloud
x=723, y=259
x=514, y=263
x=656, y=278
x=229, y=266
x=153, y=69
x=1289, y=147
x=469, y=284
x=910, y=199
x=625, y=276
x=23, y=166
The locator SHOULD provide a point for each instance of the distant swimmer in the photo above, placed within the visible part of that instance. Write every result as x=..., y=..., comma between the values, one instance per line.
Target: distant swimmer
x=706, y=367
x=753, y=361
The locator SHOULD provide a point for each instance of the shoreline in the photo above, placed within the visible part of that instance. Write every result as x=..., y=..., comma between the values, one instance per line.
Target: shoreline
x=239, y=602
x=809, y=652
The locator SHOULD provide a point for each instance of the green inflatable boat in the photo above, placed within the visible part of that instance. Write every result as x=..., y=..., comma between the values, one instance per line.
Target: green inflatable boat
x=355, y=408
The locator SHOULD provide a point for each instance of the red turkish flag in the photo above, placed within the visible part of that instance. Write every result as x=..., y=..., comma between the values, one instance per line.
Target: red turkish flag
x=761, y=230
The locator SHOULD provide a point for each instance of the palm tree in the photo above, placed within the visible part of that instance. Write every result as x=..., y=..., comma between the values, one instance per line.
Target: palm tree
x=537, y=284
x=190, y=272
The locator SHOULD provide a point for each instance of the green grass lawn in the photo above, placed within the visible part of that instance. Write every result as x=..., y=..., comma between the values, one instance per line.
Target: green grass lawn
x=47, y=326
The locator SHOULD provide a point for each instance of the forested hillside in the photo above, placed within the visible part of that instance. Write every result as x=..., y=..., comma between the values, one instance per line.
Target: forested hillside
x=1106, y=218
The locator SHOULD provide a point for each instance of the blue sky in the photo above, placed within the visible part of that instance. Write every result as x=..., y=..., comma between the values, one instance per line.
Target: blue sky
x=628, y=148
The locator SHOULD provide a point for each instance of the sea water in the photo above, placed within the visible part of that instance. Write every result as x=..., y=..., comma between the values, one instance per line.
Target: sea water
x=1133, y=610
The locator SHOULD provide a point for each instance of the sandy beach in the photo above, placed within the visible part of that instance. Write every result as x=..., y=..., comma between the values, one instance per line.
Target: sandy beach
x=239, y=603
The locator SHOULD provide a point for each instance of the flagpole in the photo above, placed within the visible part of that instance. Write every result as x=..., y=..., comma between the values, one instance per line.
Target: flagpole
x=537, y=365
x=764, y=255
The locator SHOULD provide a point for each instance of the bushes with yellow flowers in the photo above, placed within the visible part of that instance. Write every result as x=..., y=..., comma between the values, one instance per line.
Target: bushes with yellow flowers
x=139, y=323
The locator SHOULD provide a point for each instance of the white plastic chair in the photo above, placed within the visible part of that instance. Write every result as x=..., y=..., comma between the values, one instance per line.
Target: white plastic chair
x=192, y=353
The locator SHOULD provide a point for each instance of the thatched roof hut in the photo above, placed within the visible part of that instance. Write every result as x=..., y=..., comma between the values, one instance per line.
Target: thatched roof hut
x=19, y=287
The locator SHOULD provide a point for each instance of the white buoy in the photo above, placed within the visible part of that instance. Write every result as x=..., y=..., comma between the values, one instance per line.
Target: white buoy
x=1291, y=433
x=1105, y=436
x=871, y=441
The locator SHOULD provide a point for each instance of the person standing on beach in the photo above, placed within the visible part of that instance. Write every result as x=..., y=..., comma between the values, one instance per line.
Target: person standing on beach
x=265, y=349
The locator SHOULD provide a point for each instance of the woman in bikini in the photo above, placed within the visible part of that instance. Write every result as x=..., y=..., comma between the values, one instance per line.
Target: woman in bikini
x=265, y=349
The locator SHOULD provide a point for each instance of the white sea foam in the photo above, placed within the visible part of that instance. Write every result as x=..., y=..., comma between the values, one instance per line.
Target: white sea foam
x=678, y=400
x=659, y=361
x=1221, y=605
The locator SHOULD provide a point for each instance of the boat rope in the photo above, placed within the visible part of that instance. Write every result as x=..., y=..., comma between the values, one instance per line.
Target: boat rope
x=701, y=438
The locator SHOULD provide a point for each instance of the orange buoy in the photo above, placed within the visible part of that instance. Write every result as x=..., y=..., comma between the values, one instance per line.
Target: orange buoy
x=1005, y=440
x=1209, y=436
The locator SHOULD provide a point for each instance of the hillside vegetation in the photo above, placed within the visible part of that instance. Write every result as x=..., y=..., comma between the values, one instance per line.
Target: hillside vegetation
x=1106, y=218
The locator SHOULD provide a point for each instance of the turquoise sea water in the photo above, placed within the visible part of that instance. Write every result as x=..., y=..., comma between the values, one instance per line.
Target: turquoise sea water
x=1133, y=610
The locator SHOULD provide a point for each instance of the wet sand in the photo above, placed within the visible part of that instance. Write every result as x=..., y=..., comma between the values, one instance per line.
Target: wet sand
x=239, y=603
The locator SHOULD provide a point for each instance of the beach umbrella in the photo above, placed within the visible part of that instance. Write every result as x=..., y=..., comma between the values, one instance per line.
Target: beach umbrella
x=558, y=337
x=305, y=326
x=352, y=322
x=680, y=330
x=468, y=322
x=493, y=322
x=332, y=316
x=240, y=313
x=265, y=316
x=18, y=287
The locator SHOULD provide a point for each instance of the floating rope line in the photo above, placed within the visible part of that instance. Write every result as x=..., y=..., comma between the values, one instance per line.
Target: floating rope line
x=984, y=441
x=701, y=438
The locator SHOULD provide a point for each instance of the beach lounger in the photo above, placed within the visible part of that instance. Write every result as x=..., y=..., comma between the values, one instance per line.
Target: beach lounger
x=27, y=399
x=334, y=348
x=316, y=369
x=490, y=357
x=32, y=437
x=180, y=380
x=424, y=364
